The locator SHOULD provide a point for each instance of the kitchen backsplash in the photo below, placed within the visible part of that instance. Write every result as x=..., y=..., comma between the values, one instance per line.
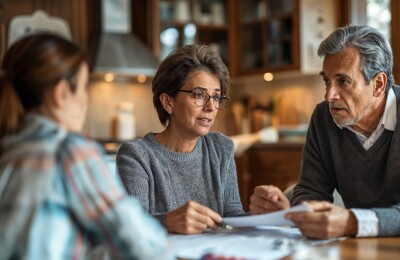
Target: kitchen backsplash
x=104, y=98
x=297, y=99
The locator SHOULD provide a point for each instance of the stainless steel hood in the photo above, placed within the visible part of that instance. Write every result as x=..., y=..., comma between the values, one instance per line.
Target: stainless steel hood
x=124, y=54
x=119, y=51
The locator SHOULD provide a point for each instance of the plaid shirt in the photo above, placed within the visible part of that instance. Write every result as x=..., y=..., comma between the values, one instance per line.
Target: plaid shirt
x=58, y=199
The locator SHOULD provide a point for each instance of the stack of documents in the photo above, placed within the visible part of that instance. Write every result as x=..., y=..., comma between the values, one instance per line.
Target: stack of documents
x=265, y=236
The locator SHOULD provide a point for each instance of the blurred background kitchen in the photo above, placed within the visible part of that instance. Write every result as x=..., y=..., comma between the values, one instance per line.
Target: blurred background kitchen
x=269, y=47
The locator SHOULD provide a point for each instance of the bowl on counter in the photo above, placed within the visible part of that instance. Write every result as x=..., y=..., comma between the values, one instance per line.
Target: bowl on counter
x=293, y=132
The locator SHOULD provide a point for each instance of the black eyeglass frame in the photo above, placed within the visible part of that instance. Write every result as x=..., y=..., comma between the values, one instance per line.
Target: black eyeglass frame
x=220, y=100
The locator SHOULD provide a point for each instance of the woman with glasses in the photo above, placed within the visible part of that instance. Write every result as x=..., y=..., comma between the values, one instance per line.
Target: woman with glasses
x=58, y=199
x=185, y=176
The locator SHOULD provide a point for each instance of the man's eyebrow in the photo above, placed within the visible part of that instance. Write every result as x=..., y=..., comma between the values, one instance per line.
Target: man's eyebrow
x=339, y=75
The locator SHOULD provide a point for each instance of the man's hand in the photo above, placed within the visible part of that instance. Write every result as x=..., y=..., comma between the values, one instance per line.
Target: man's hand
x=326, y=221
x=267, y=198
x=191, y=218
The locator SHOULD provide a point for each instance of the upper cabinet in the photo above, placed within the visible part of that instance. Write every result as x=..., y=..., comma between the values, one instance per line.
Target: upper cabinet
x=82, y=16
x=268, y=34
x=182, y=22
x=252, y=36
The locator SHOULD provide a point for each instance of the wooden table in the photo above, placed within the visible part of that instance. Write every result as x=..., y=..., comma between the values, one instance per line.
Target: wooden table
x=354, y=248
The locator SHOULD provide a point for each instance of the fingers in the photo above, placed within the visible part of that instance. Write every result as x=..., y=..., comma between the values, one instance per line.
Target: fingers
x=326, y=221
x=267, y=198
x=320, y=205
x=191, y=218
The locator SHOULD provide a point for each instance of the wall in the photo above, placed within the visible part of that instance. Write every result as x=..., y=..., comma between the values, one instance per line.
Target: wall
x=103, y=100
x=298, y=96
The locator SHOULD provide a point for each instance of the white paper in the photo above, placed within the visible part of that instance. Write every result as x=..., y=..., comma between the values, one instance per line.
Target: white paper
x=256, y=243
x=269, y=219
x=251, y=243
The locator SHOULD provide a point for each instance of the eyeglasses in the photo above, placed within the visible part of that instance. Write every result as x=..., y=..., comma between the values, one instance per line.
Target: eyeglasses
x=201, y=98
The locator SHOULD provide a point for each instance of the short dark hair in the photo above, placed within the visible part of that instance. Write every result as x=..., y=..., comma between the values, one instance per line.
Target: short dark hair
x=173, y=71
x=375, y=52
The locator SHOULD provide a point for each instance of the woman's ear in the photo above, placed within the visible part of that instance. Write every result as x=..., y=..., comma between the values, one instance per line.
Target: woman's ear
x=166, y=102
x=60, y=93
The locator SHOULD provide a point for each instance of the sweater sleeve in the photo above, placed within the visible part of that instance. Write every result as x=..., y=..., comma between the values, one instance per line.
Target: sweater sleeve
x=314, y=182
x=98, y=202
x=233, y=205
x=389, y=220
x=231, y=197
x=133, y=169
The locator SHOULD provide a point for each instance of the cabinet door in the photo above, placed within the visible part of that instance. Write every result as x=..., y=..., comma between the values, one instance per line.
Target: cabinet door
x=194, y=21
x=79, y=14
x=278, y=167
x=269, y=35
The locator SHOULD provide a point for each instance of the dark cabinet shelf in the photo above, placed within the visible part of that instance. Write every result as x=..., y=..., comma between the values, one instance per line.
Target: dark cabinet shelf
x=269, y=34
x=184, y=22
x=252, y=36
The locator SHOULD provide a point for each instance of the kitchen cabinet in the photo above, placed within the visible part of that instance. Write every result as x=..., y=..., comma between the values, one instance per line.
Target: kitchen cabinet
x=182, y=22
x=83, y=16
x=2, y=31
x=250, y=35
x=275, y=164
x=268, y=35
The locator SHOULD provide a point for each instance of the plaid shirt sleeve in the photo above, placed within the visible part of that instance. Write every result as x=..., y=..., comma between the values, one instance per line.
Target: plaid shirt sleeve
x=100, y=205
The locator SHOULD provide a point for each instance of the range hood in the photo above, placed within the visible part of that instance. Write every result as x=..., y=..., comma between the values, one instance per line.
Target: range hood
x=119, y=51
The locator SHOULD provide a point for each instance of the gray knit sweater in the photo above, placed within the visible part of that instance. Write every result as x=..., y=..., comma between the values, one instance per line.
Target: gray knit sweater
x=164, y=180
x=333, y=158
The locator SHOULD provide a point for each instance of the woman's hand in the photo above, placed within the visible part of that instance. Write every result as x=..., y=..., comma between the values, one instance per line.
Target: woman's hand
x=267, y=198
x=191, y=218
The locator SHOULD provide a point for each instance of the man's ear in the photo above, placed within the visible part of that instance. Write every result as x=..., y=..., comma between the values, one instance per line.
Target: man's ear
x=60, y=93
x=379, y=83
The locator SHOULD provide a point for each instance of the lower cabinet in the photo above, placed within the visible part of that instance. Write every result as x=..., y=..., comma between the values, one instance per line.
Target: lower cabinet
x=275, y=164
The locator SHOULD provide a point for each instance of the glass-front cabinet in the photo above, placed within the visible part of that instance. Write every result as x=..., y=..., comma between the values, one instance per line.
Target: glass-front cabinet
x=269, y=35
x=252, y=36
x=188, y=21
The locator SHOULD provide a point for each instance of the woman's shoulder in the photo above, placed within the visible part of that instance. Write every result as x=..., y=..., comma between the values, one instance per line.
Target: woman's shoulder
x=77, y=141
x=138, y=145
x=218, y=139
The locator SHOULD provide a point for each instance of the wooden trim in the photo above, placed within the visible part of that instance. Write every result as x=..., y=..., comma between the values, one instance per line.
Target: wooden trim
x=155, y=27
x=233, y=37
x=343, y=13
x=395, y=41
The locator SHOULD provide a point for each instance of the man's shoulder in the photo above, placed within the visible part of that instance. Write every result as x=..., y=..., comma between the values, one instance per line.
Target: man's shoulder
x=396, y=90
x=321, y=110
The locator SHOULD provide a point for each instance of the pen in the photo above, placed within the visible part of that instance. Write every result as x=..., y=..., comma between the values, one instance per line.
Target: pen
x=224, y=225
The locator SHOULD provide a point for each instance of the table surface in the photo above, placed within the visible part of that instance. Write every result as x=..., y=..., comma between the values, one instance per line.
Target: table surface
x=354, y=248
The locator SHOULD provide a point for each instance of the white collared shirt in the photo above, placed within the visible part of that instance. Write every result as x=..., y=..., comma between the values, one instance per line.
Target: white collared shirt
x=367, y=221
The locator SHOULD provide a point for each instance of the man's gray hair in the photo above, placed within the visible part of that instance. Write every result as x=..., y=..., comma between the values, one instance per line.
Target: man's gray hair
x=375, y=52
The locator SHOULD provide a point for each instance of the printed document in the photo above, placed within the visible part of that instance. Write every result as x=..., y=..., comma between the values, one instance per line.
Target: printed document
x=276, y=218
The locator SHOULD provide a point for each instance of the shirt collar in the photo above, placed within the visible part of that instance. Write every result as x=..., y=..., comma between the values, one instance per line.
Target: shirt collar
x=389, y=115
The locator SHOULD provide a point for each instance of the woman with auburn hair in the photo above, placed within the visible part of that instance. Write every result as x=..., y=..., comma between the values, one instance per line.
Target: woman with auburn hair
x=58, y=198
